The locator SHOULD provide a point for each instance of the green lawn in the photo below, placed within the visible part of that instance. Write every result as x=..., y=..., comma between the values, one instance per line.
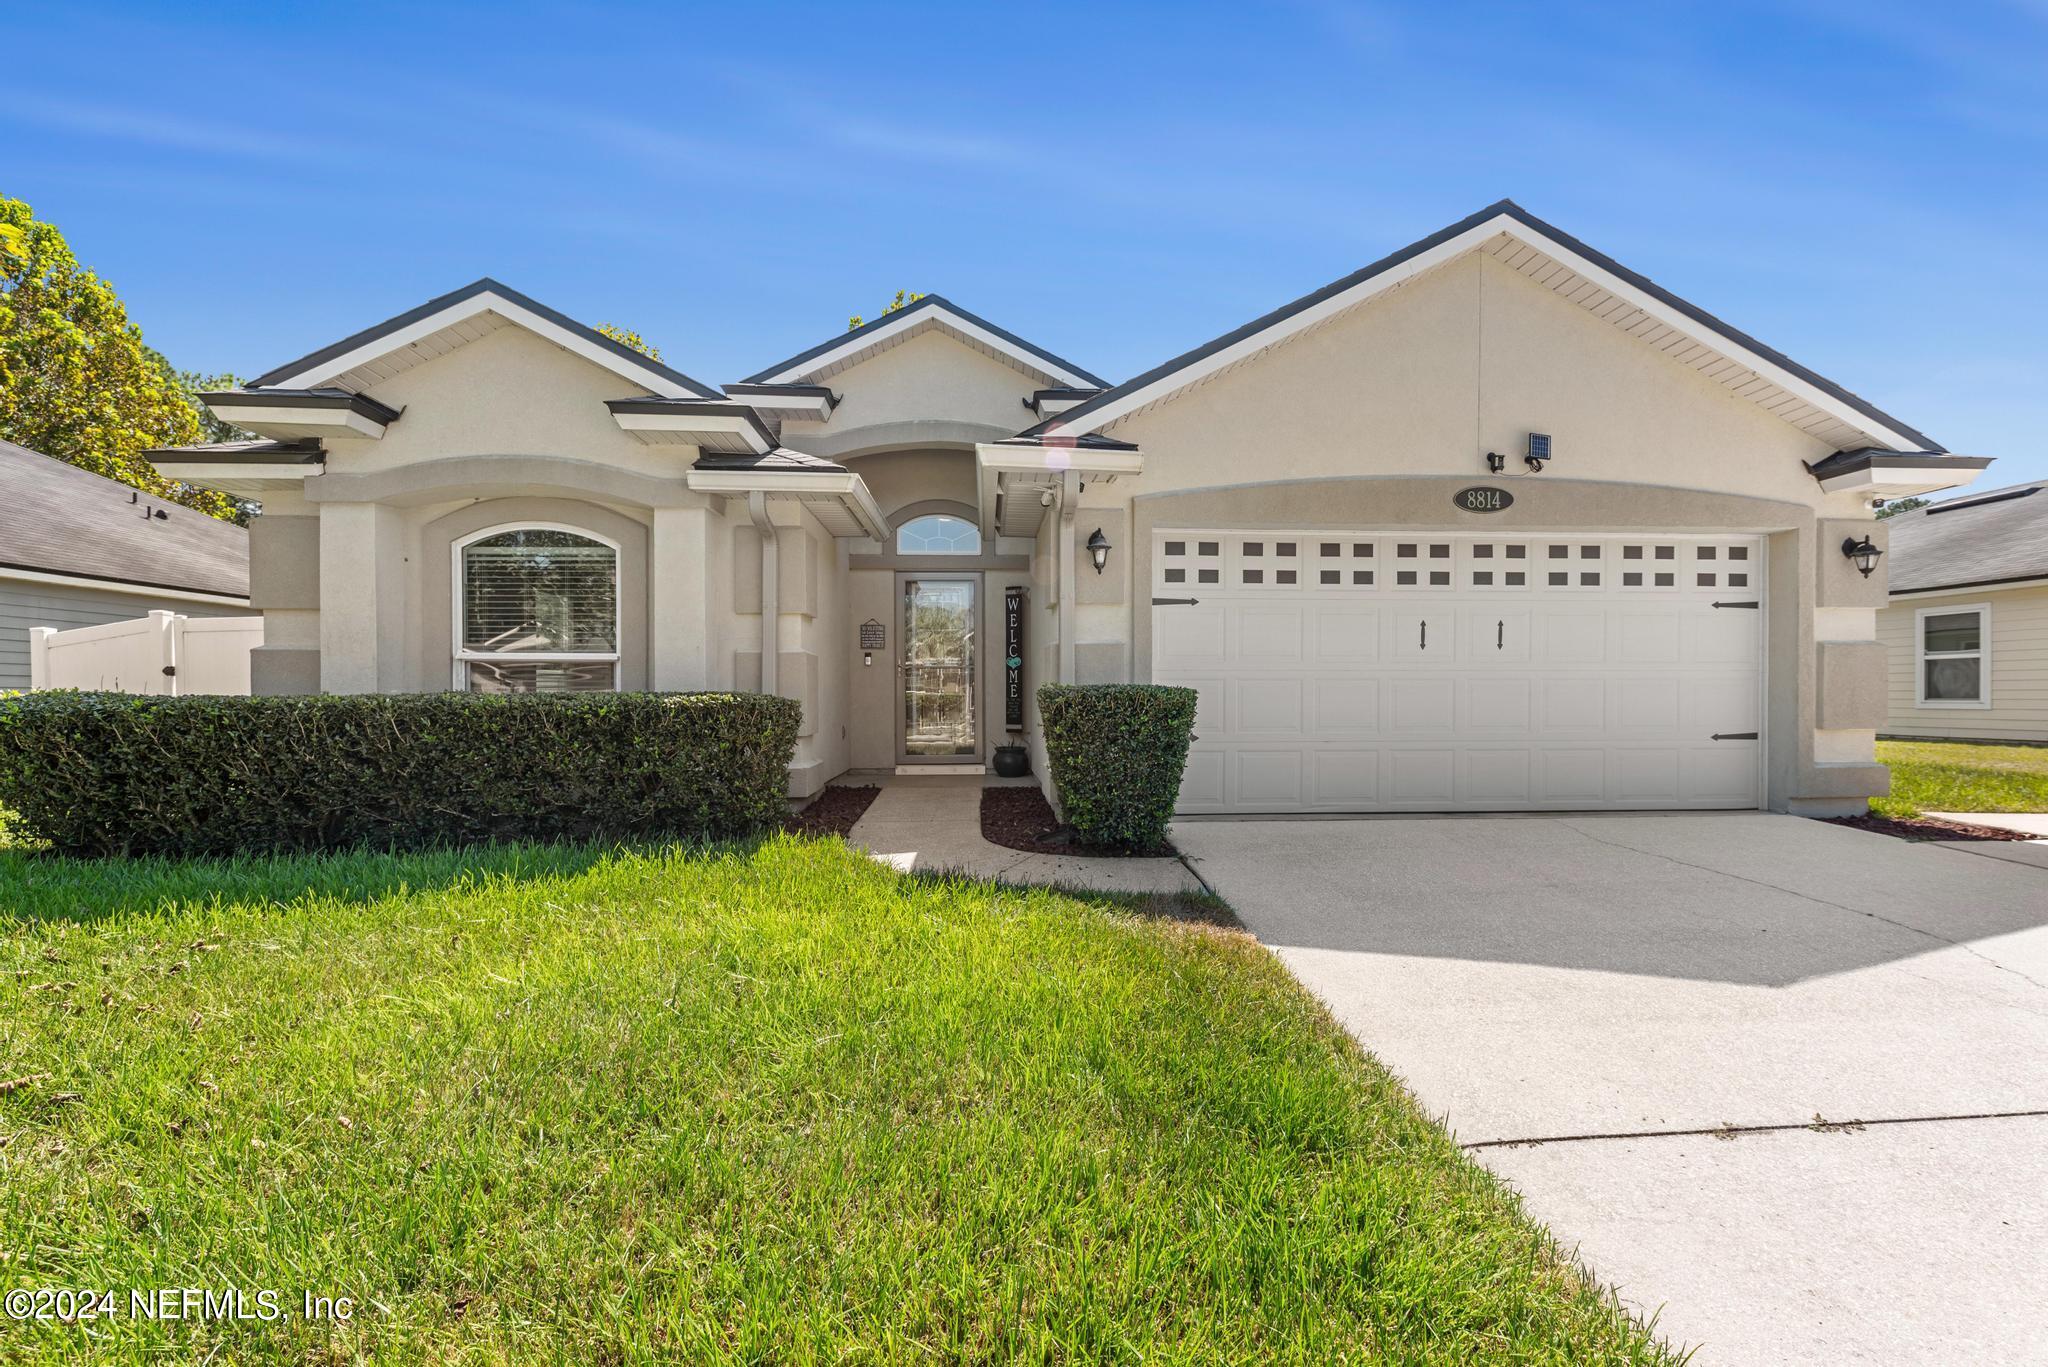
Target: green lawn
x=1931, y=777
x=766, y=1104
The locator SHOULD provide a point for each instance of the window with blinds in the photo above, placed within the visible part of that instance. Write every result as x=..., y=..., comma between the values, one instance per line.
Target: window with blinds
x=539, y=613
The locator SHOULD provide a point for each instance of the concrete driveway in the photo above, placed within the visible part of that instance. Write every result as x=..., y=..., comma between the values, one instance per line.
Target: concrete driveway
x=1783, y=1084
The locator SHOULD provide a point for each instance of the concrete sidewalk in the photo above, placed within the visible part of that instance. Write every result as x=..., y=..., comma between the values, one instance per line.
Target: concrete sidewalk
x=1638, y=1021
x=934, y=823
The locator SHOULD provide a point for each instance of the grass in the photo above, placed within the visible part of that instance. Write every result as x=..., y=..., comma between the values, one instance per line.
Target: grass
x=766, y=1103
x=1934, y=777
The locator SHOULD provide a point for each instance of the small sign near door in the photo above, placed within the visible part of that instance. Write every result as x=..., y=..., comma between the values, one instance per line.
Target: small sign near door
x=873, y=635
x=1013, y=658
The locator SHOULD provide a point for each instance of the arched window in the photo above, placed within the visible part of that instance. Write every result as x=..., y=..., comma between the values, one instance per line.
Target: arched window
x=938, y=534
x=536, y=611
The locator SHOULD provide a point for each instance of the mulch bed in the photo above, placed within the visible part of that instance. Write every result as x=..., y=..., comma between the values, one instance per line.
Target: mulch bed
x=832, y=812
x=1020, y=818
x=1922, y=828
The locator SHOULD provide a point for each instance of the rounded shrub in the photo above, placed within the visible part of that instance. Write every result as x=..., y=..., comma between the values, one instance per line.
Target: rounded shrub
x=114, y=773
x=1116, y=752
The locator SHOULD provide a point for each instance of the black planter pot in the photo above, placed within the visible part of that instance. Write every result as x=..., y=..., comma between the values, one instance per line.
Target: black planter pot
x=1012, y=761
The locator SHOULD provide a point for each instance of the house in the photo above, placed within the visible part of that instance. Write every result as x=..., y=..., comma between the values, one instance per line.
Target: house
x=78, y=549
x=1493, y=523
x=1966, y=629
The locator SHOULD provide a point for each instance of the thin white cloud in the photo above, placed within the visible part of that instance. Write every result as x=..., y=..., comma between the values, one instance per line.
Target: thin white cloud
x=150, y=128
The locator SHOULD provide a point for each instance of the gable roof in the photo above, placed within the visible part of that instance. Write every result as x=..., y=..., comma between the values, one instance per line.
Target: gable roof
x=58, y=519
x=1998, y=536
x=444, y=323
x=927, y=314
x=1574, y=270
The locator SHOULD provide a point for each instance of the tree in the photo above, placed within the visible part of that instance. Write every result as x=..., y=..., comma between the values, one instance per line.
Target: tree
x=1904, y=505
x=903, y=300
x=76, y=380
x=630, y=338
x=212, y=424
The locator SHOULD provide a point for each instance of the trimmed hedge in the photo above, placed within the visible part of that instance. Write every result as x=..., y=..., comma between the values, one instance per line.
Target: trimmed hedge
x=112, y=773
x=1116, y=752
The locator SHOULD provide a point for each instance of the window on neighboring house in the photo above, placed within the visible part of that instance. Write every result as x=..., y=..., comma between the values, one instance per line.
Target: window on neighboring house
x=938, y=534
x=537, y=611
x=1954, y=659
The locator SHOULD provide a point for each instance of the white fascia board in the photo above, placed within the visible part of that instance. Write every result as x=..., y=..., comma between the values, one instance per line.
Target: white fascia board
x=814, y=407
x=735, y=426
x=847, y=486
x=122, y=586
x=1721, y=342
x=1972, y=590
x=866, y=338
x=1457, y=246
x=1899, y=481
x=1038, y=460
x=225, y=475
x=487, y=302
x=331, y=422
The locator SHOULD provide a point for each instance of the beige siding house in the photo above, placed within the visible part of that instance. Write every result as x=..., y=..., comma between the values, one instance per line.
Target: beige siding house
x=1966, y=632
x=1492, y=524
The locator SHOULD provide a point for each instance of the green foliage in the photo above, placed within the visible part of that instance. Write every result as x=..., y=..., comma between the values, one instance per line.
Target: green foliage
x=628, y=337
x=903, y=300
x=212, y=426
x=114, y=773
x=1116, y=752
x=568, y=1104
x=1939, y=776
x=1904, y=505
x=76, y=380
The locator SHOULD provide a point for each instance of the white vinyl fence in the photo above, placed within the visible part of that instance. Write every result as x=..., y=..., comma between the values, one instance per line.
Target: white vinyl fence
x=164, y=653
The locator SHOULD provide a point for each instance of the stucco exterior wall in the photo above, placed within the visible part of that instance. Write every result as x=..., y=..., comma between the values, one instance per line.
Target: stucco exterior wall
x=931, y=390
x=1376, y=418
x=2016, y=638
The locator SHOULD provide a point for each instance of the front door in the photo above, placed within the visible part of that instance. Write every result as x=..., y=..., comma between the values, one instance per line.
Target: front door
x=940, y=722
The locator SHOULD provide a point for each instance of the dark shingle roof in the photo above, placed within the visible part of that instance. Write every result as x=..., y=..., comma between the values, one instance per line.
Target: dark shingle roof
x=1993, y=537
x=781, y=458
x=59, y=519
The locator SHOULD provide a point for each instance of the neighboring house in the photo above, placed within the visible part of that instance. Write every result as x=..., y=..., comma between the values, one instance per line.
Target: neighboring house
x=1494, y=523
x=78, y=549
x=1967, y=628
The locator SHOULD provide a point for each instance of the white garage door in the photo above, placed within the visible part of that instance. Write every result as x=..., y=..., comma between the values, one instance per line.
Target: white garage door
x=1398, y=671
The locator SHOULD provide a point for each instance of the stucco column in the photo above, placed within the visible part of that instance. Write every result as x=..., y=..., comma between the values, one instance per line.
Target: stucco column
x=679, y=651
x=362, y=599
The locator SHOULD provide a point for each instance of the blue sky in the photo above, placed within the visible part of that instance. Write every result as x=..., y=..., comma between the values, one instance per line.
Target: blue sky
x=1862, y=185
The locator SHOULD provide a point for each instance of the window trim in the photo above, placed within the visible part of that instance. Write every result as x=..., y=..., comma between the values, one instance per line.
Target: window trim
x=459, y=672
x=1982, y=654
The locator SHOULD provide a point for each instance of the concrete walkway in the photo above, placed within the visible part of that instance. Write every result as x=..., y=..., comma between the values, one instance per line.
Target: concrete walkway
x=1784, y=1083
x=934, y=823
x=2033, y=853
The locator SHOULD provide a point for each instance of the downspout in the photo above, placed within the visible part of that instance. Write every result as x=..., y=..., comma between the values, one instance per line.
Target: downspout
x=771, y=593
x=1070, y=496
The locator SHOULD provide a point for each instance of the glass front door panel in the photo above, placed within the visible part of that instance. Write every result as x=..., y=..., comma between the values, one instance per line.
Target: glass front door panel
x=938, y=669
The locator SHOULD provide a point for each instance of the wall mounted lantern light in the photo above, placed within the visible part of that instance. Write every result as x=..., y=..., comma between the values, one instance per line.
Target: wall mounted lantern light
x=1098, y=549
x=1496, y=462
x=1863, y=553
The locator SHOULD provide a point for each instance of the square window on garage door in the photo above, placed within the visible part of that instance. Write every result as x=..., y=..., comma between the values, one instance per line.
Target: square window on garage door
x=1495, y=564
x=1185, y=560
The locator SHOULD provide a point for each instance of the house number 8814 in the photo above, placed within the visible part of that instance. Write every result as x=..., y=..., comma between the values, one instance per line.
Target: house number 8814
x=1482, y=500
